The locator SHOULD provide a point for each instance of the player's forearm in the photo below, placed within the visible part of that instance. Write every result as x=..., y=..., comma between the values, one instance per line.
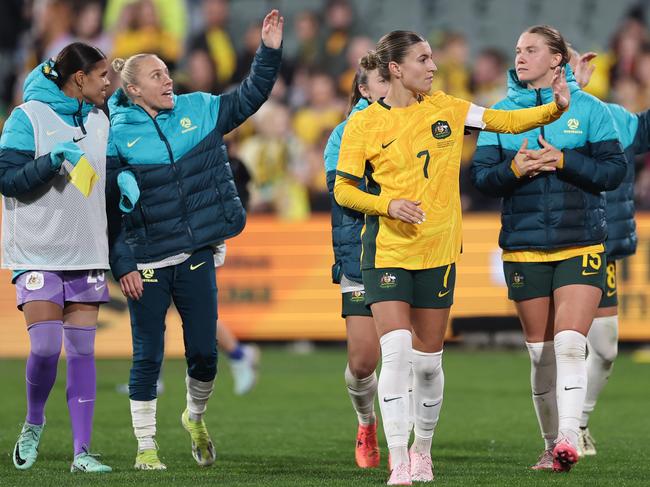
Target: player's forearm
x=518, y=121
x=347, y=194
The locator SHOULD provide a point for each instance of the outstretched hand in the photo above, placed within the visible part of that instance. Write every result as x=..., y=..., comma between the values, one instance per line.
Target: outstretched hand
x=560, y=87
x=584, y=68
x=272, y=29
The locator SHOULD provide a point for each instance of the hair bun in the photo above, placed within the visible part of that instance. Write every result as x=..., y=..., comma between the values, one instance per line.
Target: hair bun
x=370, y=61
x=118, y=64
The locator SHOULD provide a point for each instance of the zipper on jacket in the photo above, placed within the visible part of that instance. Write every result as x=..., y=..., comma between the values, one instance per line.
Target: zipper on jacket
x=175, y=170
x=79, y=118
x=546, y=176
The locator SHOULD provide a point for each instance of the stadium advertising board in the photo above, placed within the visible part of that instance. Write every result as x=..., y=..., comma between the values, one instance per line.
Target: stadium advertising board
x=276, y=285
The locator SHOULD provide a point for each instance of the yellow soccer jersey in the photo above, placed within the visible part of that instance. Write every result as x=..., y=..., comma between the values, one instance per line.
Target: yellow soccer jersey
x=411, y=153
x=414, y=153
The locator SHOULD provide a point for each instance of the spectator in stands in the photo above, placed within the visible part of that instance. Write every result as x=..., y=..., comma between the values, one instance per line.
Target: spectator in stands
x=489, y=77
x=145, y=33
x=323, y=110
x=245, y=57
x=172, y=14
x=309, y=53
x=339, y=20
x=453, y=76
x=200, y=73
x=359, y=47
x=215, y=39
x=272, y=157
x=88, y=26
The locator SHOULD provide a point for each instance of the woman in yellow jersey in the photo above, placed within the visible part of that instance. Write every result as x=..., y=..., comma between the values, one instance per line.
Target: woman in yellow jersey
x=408, y=147
x=553, y=229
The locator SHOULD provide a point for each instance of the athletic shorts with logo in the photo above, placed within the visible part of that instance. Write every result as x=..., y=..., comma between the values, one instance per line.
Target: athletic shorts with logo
x=353, y=304
x=528, y=280
x=61, y=287
x=426, y=288
x=610, y=292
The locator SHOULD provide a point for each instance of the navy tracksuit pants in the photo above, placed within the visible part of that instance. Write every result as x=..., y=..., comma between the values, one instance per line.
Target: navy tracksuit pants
x=193, y=288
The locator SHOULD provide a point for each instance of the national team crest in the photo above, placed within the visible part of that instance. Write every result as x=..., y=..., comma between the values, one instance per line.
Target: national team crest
x=34, y=281
x=518, y=280
x=149, y=275
x=388, y=280
x=357, y=297
x=441, y=129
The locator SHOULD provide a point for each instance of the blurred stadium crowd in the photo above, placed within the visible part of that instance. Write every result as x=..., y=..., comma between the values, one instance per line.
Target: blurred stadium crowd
x=282, y=145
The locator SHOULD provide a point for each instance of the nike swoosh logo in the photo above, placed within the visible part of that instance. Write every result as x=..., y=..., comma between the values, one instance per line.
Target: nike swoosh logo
x=383, y=146
x=19, y=460
x=74, y=139
x=540, y=393
x=133, y=142
x=442, y=295
x=611, y=293
x=571, y=388
x=585, y=273
x=194, y=267
x=389, y=399
x=51, y=132
x=431, y=405
x=81, y=401
x=99, y=288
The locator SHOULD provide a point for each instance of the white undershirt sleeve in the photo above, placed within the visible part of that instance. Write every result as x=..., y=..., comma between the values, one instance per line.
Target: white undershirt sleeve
x=475, y=117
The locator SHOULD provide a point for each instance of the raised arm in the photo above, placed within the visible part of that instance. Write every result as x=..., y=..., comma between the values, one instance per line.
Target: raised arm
x=235, y=107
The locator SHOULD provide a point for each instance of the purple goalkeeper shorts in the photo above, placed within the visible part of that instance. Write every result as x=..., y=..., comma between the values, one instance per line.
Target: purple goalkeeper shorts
x=60, y=287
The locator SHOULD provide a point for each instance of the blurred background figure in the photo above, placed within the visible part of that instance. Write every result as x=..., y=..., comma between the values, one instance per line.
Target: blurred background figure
x=141, y=30
x=215, y=39
x=452, y=59
x=273, y=158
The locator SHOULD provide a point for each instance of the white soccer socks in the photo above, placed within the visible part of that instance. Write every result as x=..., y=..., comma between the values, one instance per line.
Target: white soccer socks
x=543, y=373
x=198, y=393
x=362, y=394
x=143, y=418
x=602, y=346
x=396, y=349
x=429, y=382
x=570, y=350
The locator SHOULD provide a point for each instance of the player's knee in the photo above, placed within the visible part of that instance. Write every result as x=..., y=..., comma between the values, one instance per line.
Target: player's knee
x=542, y=354
x=603, y=339
x=605, y=350
x=51, y=345
x=361, y=368
x=203, y=366
x=427, y=366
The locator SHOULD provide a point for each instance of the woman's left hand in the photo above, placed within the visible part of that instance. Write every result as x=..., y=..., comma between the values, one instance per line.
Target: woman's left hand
x=560, y=87
x=549, y=155
x=272, y=29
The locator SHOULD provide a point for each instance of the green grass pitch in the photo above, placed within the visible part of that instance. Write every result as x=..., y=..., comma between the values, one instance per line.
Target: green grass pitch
x=297, y=428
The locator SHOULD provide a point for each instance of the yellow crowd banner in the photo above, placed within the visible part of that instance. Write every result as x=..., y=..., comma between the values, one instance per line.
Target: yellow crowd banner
x=276, y=285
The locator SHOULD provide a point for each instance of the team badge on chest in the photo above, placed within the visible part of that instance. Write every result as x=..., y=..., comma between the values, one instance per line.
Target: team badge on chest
x=440, y=130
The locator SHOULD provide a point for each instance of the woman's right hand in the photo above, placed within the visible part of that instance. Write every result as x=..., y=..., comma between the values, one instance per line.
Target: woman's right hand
x=406, y=210
x=131, y=285
x=530, y=162
x=272, y=28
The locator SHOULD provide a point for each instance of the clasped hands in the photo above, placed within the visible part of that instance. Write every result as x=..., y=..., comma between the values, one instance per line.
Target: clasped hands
x=530, y=163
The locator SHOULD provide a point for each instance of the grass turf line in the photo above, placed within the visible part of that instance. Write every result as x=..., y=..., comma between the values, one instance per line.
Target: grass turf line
x=298, y=428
